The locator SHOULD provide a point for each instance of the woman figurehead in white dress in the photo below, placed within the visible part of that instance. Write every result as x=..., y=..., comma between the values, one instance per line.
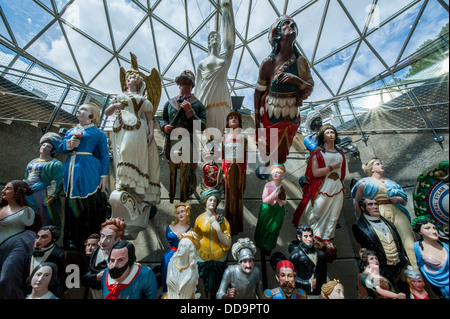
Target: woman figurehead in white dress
x=182, y=272
x=212, y=86
x=134, y=149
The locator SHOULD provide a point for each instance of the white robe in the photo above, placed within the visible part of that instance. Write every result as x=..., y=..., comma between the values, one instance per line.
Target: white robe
x=137, y=165
x=212, y=90
x=324, y=214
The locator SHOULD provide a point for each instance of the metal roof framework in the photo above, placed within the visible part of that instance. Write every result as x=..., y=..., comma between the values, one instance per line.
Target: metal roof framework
x=366, y=35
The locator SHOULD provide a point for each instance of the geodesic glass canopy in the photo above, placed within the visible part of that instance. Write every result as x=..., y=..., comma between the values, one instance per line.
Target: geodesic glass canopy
x=74, y=48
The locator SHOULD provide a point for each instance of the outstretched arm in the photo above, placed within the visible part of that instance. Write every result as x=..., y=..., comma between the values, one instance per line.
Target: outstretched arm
x=229, y=35
x=113, y=107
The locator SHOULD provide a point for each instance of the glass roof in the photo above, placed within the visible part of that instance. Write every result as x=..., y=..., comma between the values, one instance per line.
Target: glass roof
x=346, y=42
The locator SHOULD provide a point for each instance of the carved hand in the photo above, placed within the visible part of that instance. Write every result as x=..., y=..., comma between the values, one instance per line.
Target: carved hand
x=168, y=129
x=288, y=78
x=103, y=182
x=232, y=293
x=119, y=106
x=186, y=105
x=72, y=143
x=336, y=165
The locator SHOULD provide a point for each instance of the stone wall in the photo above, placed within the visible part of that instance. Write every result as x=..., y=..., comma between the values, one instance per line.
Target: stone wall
x=19, y=144
x=404, y=155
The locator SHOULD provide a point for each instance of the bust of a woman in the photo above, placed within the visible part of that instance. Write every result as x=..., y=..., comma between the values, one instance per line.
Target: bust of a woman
x=432, y=255
x=182, y=271
x=43, y=276
x=214, y=233
x=333, y=290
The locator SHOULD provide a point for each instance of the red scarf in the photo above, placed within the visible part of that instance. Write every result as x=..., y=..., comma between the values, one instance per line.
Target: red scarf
x=114, y=289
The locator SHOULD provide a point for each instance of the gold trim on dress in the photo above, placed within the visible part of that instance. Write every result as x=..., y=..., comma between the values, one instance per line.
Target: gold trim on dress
x=218, y=104
x=132, y=166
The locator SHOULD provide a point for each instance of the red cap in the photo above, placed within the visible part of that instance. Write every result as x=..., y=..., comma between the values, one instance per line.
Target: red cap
x=285, y=263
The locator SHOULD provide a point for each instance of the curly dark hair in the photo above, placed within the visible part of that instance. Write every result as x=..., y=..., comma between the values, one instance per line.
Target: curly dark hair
x=320, y=137
x=56, y=234
x=418, y=222
x=303, y=228
x=364, y=255
x=131, y=250
x=21, y=189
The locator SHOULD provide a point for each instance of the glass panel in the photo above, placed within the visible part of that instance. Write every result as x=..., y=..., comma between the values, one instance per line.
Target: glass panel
x=261, y=18
x=294, y=5
x=337, y=31
x=320, y=91
x=89, y=17
x=248, y=73
x=90, y=57
x=109, y=80
x=141, y=45
x=201, y=37
x=169, y=91
x=183, y=62
x=51, y=48
x=4, y=32
x=359, y=11
x=365, y=66
x=6, y=55
x=25, y=18
x=166, y=49
x=173, y=13
x=21, y=64
x=60, y=4
x=334, y=68
x=393, y=35
x=385, y=9
x=261, y=49
x=124, y=17
x=308, y=22
x=197, y=13
x=431, y=24
x=48, y=4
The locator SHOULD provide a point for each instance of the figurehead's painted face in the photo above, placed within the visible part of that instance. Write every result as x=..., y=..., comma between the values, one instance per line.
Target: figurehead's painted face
x=247, y=265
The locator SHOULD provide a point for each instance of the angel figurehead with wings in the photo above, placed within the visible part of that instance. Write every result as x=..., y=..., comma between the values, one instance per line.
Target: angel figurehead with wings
x=134, y=149
x=149, y=86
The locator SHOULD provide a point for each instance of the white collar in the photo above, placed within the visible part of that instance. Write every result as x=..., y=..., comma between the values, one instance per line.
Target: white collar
x=80, y=129
x=133, y=271
x=372, y=219
x=100, y=257
x=47, y=295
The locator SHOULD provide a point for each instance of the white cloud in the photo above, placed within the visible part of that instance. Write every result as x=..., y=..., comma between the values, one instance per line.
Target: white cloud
x=89, y=16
